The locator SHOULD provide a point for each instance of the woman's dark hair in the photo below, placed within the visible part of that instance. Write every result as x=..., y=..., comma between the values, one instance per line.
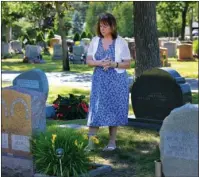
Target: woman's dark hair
x=109, y=19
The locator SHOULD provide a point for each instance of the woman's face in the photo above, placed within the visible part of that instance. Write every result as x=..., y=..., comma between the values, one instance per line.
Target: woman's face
x=105, y=29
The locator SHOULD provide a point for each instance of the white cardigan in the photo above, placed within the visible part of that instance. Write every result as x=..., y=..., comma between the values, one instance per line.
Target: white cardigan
x=121, y=50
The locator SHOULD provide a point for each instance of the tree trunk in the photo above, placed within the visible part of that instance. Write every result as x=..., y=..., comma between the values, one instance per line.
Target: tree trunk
x=184, y=14
x=146, y=37
x=190, y=24
x=66, y=66
x=8, y=33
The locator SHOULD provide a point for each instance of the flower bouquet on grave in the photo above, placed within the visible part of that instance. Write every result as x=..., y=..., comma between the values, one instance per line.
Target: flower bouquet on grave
x=71, y=107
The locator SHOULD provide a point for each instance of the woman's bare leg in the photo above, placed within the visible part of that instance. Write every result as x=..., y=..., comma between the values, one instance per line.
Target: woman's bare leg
x=112, y=136
x=92, y=132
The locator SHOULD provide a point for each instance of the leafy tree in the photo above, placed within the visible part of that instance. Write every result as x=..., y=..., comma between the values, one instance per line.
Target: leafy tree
x=77, y=23
x=61, y=8
x=81, y=7
x=94, y=10
x=50, y=34
x=168, y=13
x=146, y=36
x=123, y=13
x=171, y=11
x=40, y=36
x=83, y=35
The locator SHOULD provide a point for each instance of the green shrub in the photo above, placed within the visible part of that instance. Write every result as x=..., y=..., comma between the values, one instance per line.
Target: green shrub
x=50, y=34
x=31, y=32
x=76, y=37
x=74, y=161
x=195, y=46
x=89, y=35
x=71, y=107
x=40, y=37
x=133, y=64
x=83, y=35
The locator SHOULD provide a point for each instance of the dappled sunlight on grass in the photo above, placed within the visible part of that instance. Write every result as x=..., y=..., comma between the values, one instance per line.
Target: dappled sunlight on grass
x=137, y=148
x=65, y=91
x=185, y=69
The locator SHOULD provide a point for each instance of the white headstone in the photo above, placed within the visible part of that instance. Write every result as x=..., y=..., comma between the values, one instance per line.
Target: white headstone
x=179, y=142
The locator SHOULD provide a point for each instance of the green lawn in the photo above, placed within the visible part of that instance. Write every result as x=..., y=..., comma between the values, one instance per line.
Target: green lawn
x=185, y=69
x=136, y=154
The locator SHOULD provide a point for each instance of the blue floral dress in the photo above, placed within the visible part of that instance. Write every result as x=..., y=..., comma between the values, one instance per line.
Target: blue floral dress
x=109, y=97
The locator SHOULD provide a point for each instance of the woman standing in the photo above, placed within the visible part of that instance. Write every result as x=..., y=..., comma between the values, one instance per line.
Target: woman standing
x=109, y=99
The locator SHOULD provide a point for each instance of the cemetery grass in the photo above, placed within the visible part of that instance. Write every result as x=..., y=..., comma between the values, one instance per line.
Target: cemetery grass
x=16, y=64
x=137, y=150
x=187, y=69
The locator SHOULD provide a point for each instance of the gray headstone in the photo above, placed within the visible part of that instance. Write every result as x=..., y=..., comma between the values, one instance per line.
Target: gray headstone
x=16, y=46
x=179, y=142
x=172, y=48
x=57, y=52
x=23, y=115
x=78, y=50
x=34, y=80
x=5, y=49
x=32, y=52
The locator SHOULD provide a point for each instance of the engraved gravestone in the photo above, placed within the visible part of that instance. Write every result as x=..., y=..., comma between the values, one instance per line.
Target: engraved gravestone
x=157, y=92
x=179, y=142
x=34, y=79
x=23, y=114
x=57, y=52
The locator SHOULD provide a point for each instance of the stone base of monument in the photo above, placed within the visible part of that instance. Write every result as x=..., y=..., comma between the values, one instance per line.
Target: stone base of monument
x=99, y=169
x=153, y=124
x=15, y=166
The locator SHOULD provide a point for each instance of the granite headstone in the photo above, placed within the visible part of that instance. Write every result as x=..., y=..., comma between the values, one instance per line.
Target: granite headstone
x=5, y=49
x=23, y=114
x=57, y=52
x=157, y=92
x=34, y=79
x=16, y=46
x=179, y=142
x=171, y=47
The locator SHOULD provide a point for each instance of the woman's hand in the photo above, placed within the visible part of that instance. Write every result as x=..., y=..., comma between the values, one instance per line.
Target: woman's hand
x=106, y=64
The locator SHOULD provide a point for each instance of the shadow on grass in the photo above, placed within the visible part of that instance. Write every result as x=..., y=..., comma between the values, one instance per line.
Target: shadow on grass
x=194, y=98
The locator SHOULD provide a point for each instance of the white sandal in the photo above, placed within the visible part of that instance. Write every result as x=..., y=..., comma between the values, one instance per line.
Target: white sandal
x=110, y=148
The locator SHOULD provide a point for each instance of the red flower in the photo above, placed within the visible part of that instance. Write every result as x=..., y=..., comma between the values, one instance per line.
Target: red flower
x=84, y=106
x=59, y=115
x=55, y=106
